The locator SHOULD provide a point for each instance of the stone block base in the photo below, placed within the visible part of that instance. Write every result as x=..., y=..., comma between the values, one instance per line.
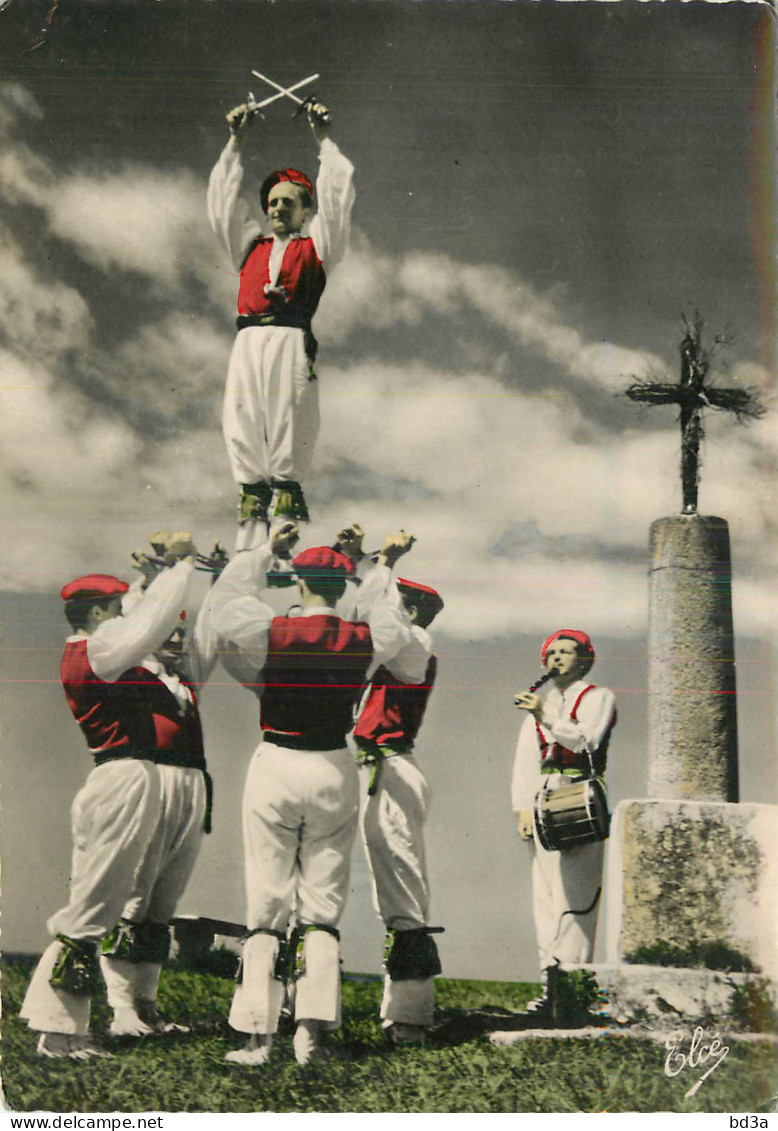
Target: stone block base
x=667, y=997
x=693, y=885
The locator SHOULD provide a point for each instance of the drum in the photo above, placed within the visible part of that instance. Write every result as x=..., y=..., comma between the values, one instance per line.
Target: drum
x=572, y=814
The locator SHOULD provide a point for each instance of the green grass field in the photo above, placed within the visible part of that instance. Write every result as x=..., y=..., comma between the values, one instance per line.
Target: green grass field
x=458, y=1072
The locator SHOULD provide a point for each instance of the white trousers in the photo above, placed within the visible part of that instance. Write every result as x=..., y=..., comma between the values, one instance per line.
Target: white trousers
x=160, y=882
x=300, y=812
x=393, y=834
x=270, y=416
x=565, y=886
x=114, y=817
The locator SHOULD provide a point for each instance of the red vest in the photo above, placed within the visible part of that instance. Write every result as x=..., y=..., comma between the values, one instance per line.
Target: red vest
x=137, y=714
x=559, y=756
x=394, y=710
x=301, y=277
x=314, y=674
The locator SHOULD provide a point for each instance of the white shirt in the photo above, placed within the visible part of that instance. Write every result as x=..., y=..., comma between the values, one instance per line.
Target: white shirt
x=585, y=735
x=237, y=225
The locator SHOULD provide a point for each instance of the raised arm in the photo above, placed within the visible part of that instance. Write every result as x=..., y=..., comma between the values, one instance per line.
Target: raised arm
x=202, y=646
x=123, y=642
x=228, y=213
x=334, y=193
x=236, y=613
x=391, y=629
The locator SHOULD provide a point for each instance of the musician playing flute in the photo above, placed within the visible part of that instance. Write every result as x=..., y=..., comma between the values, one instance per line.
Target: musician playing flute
x=271, y=407
x=562, y=739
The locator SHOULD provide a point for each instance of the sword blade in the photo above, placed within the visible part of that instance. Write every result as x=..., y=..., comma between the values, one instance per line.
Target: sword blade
x=283, y=91
x=266, y=101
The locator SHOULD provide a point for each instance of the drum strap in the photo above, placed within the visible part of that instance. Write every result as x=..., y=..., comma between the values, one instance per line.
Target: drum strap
x=583, y=910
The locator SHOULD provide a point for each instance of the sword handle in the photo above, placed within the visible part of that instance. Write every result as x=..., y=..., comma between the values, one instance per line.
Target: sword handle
x=306, y=104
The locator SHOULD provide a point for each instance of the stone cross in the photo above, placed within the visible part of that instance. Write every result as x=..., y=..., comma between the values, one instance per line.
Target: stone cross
x=692, y=719
x=693, y=395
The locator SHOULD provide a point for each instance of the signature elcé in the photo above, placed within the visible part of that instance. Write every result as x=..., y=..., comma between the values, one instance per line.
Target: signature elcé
x=701, y=1050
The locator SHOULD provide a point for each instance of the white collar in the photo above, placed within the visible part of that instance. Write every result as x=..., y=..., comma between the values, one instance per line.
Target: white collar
x=575, y=689
x=318, y=611
x=284, y=240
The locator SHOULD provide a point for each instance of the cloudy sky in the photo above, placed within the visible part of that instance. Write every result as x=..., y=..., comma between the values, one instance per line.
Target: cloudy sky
x=543, y=190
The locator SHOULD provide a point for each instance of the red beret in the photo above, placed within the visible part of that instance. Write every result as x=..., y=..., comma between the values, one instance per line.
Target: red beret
x=94, y=585
x=424, y=594
x=322, y=561
x=292, y=175
x=574, y=634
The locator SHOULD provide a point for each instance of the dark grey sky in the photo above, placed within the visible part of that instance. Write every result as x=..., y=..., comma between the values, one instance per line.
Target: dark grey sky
x=603, y=148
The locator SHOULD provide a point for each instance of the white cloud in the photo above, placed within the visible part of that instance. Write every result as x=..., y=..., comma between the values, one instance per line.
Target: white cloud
x=177, y=365
x=380, y=291
x=43, y=316
x=136, y=220
x=489, y=462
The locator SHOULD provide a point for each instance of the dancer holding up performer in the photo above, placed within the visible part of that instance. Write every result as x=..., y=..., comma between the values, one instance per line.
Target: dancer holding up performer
x=133, y=952
x=301, y=798
x=138, y=736
x=393, y=819
x=271, y=407
x=564, y=739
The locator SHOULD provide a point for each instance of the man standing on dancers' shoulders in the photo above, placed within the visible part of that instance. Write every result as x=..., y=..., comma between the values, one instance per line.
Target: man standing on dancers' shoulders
x=271, y=407
x=564, y=738
x=393, y=819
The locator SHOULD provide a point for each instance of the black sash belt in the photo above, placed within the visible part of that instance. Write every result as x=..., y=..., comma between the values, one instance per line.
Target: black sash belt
x=163, y=758
x=290, y=316
x=305, y=742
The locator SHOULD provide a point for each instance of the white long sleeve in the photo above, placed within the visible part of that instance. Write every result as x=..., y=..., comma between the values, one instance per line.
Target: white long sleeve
x=330, y=227
x=394, y=644
x=411, y=661
x=200, y=643
x=228, y=213
x=125, y=641
x=202, y=646
x=133, y=596
x=238, y=618
x=526, y=780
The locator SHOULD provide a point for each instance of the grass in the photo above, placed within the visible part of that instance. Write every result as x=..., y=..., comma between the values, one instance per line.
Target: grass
x=461, y=1072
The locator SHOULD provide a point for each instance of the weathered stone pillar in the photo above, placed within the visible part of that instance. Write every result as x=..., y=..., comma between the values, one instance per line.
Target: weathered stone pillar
x=692, y=718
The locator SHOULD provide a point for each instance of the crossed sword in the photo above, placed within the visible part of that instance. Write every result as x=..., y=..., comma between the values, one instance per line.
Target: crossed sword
x=255, y=107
